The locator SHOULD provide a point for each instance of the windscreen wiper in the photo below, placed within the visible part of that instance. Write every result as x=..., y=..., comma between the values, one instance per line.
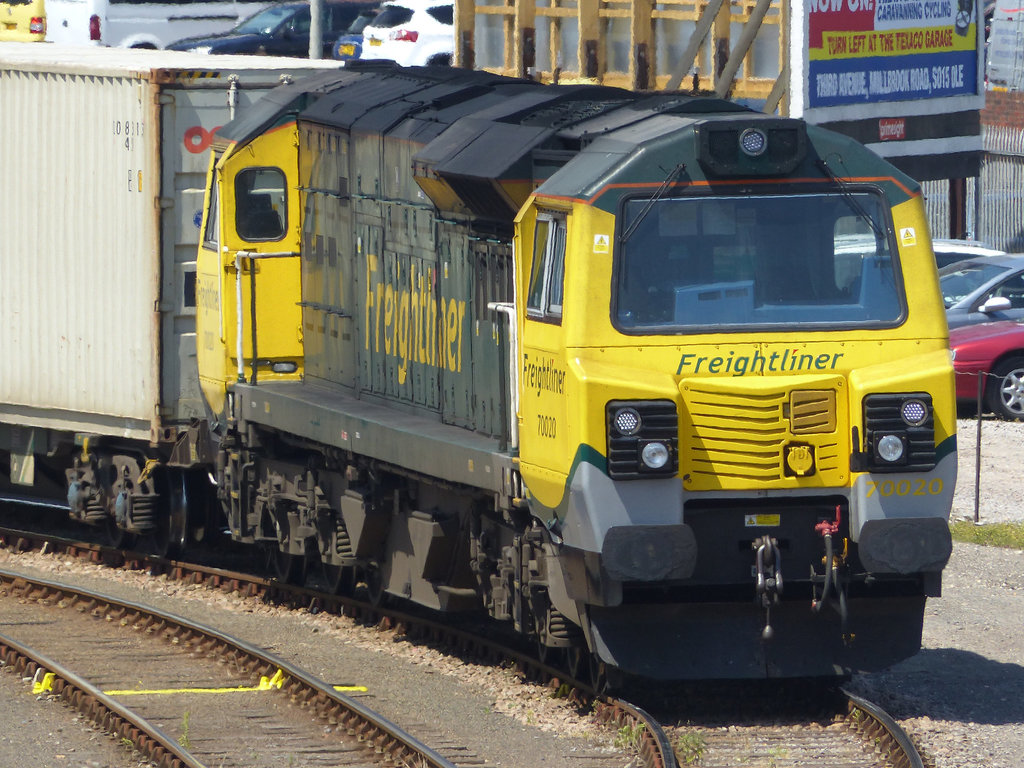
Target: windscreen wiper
x=851, y=200
x=659, y=193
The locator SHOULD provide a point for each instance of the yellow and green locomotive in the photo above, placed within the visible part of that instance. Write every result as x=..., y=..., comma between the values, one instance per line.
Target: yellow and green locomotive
x=661, y=381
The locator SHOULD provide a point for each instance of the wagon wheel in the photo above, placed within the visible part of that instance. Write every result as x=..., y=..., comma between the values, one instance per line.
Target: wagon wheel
x=170, y=533
x=113, y=536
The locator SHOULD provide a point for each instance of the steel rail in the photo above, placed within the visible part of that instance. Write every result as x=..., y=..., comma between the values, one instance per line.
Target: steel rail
x=102, y=709
x=652, y=742
x=873, y=722
x=388, y=738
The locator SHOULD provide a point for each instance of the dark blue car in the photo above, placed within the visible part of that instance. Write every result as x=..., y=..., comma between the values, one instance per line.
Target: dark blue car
x=281, y=30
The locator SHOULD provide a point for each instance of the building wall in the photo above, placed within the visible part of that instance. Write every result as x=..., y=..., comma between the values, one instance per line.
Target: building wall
x=1003, y=108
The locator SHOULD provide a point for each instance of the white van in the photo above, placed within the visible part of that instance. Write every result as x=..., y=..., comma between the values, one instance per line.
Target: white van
x=142, y=24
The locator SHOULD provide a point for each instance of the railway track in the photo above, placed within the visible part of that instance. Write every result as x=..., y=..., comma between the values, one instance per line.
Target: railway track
x=858, y=735
x=855, y=735
x=160, y=680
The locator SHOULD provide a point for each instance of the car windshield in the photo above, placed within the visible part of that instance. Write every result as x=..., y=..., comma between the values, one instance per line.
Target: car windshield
x=264, y=22
x=959, y=283
x=755, y=260
x=443, y=13
x=358, y=23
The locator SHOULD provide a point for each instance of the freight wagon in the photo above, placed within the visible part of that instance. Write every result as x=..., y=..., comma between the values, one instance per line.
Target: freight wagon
x=100, y=200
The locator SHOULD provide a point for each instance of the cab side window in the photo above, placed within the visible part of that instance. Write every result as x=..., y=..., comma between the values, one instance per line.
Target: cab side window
x=211, y=236
x=260, y=205
x=547, y=277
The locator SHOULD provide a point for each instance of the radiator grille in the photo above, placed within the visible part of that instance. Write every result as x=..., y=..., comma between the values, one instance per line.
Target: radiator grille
x=813, y=411
x=737, y=439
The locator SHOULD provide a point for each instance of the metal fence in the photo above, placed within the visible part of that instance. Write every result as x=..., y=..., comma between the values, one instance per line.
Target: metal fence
x=996, y=215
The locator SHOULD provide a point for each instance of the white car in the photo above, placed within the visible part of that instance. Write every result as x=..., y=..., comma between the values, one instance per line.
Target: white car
x=412, y=33
x=950, y=251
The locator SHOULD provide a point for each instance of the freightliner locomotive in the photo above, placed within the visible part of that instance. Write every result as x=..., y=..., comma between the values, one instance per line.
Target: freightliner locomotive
x=658, y=381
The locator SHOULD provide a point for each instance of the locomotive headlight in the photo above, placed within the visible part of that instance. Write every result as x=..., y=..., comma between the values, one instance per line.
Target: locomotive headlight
x=889, y=448
x=643, y=439
x=654, y=454
x=753, y=142
x=627, y=421
x=899, y=432
x=913, y=412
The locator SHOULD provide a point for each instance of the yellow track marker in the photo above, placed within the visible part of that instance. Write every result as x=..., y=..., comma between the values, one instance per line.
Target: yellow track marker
x=265, y=684
x=42, y=685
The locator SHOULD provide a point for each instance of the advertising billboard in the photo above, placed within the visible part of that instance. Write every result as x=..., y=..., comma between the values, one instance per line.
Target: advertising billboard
x=905, y=77
x=864, y=51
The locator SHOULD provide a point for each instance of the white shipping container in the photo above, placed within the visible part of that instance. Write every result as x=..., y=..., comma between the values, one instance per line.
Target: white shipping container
x=101, y=192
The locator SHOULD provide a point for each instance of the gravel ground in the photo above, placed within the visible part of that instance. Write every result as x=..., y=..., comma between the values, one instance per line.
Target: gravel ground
x=40, y=732
x=1001, y=483
x=439, y=699
x=960, y=697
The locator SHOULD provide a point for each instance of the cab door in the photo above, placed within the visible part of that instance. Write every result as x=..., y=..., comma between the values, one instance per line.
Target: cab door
x=544, y=374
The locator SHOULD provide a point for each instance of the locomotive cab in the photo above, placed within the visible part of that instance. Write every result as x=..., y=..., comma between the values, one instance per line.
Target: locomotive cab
x=707, y=427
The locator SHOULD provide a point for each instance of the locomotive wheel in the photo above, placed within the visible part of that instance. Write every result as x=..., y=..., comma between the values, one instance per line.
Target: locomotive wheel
x=374, y=579
x=286, y=567
x=341, y=579
x=546, y=654
x=576, y=662
x=598, y=674
x=553, y=657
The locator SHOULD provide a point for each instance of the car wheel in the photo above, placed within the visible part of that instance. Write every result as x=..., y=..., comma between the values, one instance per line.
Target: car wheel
x=1006, y=389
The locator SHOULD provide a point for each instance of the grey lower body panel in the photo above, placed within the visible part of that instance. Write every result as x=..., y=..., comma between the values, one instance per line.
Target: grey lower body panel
x=415, y=442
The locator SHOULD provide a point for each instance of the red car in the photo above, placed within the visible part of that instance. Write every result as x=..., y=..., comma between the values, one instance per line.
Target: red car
x=995, y=350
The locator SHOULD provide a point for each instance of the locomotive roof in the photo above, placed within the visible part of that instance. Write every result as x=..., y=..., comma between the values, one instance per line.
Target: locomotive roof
x=478, y=130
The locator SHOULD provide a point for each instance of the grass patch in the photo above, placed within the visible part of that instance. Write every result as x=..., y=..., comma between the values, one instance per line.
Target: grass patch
x=1009, y=535
x=690, y=746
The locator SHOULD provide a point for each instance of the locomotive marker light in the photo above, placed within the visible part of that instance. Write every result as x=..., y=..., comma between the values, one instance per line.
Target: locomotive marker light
x=753, y=142
x=627, y=421
x=914, y=413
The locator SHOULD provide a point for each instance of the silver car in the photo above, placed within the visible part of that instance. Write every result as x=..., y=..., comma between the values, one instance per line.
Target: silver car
x=983, y=289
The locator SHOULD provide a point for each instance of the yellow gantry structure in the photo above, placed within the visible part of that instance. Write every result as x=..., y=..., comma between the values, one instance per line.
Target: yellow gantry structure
x=736, y=48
